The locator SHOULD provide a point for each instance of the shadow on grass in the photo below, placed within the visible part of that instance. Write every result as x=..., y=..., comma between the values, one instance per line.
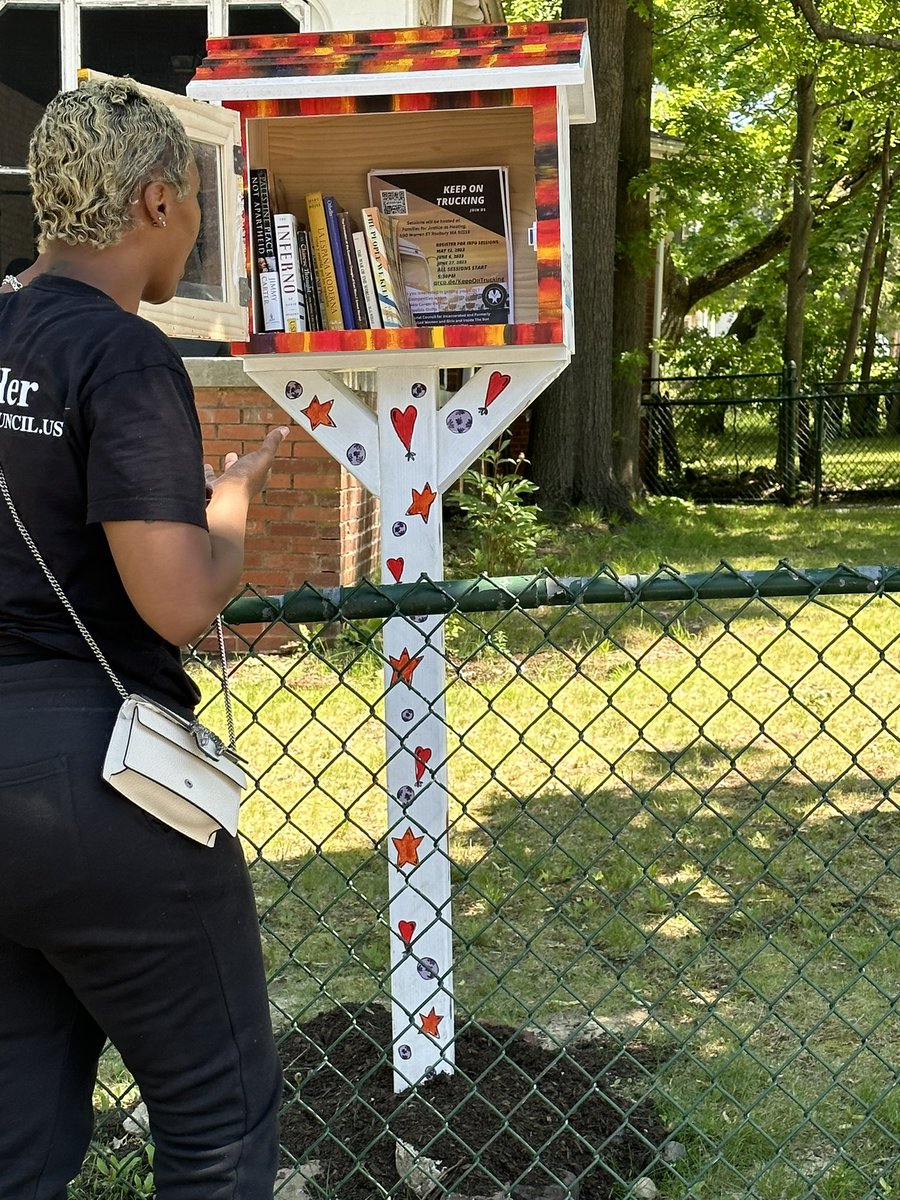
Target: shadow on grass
x=749, y=933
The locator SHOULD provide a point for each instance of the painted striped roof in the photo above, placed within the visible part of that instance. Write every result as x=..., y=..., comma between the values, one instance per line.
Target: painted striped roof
x=424, y=58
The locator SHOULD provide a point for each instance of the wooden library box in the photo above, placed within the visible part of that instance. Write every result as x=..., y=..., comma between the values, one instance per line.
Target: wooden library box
x=319, y=111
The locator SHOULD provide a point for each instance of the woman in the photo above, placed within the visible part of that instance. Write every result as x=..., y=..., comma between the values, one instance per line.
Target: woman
x=111, y=923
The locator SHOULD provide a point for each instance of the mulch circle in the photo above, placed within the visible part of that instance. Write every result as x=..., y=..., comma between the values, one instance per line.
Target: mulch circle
x=514, y=1112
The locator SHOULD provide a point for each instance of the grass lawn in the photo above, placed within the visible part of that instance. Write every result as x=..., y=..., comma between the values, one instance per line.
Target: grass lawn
x=675, y=823
x=749, y=441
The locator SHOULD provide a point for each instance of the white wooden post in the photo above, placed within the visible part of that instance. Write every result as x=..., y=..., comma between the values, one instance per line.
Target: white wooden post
x=408, y=453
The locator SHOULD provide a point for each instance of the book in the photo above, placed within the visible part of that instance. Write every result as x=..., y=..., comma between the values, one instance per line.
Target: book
x=454, y=241
x=389, y=289
x=341, y=266
x=308, y=275
x=332, y=316
x=293, y=301
x=265, y=259
x=357, y=299
x=367, y=281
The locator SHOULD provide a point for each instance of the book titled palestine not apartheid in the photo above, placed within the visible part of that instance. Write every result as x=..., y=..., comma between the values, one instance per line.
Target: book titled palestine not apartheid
x=455, y=241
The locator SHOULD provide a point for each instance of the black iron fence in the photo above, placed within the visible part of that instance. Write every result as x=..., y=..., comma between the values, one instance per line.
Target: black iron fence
x=757, y=437
x=674, y=824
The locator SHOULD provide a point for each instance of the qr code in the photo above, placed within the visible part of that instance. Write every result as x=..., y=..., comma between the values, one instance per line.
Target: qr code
x=393, y=203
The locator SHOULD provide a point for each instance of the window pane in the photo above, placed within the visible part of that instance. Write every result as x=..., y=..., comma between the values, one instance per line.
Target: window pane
x=159, y=46
x=17, y=232
x=269, y=18
x=29, y=75
x=203, y=272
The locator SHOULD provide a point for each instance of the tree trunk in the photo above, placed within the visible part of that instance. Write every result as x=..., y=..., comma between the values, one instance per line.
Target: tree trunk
x=551, y=440
x=878, y=272
x=632, y=273
x=801, y=222
x=571, y=445
x=868, y=256
x=864, y=408
x=794, y=434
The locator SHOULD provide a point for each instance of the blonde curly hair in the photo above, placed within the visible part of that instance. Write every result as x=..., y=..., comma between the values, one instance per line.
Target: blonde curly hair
x=92, y=152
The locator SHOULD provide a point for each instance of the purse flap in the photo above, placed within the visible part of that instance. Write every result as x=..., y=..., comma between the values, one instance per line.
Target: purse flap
x=176, y=729
x=164, y=750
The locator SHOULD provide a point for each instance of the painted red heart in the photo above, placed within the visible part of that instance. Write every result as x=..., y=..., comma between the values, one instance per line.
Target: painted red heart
x=496, y=384
x=406, y=929
x=423, y=755
x=404, y=422
x=395, y=566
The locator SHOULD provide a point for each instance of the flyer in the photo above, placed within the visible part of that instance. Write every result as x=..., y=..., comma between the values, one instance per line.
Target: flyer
x=455, y=244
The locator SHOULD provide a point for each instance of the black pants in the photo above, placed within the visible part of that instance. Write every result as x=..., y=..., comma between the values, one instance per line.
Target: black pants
x=113, y=925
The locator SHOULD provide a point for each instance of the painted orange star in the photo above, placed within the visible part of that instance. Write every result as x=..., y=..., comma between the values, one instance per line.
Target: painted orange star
x=318, y=413
x=431, y=1023
x=404, y=667
x=407, y=848
x=422, y=502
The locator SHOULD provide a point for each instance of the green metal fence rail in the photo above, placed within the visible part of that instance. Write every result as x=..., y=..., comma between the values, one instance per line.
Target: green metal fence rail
x=761, y=437
x=674, y=825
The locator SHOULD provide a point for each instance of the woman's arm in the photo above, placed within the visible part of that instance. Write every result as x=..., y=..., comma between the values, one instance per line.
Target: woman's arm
x=179, y=576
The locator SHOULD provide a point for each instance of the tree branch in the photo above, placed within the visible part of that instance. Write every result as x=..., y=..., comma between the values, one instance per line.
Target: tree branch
x=826, y=32
x=776, y=238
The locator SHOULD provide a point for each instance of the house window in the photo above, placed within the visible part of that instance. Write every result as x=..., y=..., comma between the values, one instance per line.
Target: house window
x=43, y=44
x=162, y=47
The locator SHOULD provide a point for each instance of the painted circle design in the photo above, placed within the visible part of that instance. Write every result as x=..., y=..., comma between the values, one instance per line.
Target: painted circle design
x=356, y=454
x=398, y=528
x=418, y=390
x=405, y=1052
x=419, y=618
x=428, y=968
x=407, y=714
x=406, y=794
x=293, y=390
x=459, y=421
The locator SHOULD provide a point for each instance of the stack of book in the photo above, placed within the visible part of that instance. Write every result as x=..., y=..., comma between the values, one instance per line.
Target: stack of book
x=432, y=248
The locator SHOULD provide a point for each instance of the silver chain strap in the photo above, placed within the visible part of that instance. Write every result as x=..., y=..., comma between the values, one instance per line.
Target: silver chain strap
x=85, y=633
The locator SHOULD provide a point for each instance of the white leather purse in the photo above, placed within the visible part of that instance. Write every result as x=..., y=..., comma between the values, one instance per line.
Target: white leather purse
x=175, y=769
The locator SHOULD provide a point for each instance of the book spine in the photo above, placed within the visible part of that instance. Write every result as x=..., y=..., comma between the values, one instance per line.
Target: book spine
x=341, y=267
x=357, y=299
x=324, y=263
x=390, y=232
x=373, y=312
x=385, y=288
x=293, y=302
x=265, y=257
x=308, y=275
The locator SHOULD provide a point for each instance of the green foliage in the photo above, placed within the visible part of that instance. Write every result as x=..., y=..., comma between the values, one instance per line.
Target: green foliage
x=727, y=75
x=700, y=354
x=532, y=10
x=504, y=528
x=108, y=1175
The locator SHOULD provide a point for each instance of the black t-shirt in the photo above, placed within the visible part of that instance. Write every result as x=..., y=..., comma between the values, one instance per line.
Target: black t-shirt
x=97, y=423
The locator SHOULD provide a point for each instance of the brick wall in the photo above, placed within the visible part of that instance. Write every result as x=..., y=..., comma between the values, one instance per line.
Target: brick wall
x=314, y=523
x=360, y=532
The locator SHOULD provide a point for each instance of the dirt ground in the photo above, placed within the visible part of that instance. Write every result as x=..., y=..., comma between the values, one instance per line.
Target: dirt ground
x=515, y=1111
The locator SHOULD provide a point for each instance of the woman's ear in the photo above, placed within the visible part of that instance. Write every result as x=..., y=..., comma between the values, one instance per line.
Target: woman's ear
x=156, y=200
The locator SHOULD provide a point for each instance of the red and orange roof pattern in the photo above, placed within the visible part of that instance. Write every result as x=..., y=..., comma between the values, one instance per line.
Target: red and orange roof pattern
x=377, y=51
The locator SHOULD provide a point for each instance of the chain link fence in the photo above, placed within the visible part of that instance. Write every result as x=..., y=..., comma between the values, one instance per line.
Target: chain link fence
x=673, y=825
x=757, y=437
